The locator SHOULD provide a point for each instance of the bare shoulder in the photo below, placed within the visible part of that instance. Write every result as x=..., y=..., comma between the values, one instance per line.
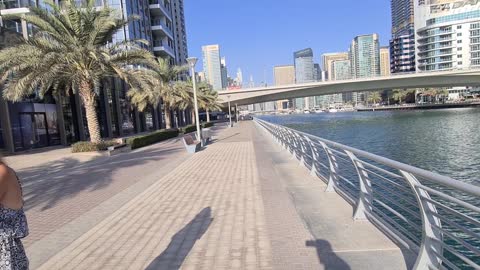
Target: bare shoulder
x=4, y=173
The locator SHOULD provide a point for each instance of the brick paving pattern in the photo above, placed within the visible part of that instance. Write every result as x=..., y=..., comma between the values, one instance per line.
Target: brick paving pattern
x=59, y=191
x=205, y=214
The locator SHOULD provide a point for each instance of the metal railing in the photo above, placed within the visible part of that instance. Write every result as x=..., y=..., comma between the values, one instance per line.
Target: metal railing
x=434, y=216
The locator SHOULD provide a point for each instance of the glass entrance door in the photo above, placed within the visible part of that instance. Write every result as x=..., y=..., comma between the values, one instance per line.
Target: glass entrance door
x=34, y=130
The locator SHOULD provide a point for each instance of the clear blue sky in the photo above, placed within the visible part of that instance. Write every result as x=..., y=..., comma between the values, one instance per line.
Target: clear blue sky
x=256, y=35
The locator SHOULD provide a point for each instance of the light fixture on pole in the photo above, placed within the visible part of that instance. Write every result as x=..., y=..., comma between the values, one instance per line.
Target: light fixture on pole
x=192, y=61
x=229, y=111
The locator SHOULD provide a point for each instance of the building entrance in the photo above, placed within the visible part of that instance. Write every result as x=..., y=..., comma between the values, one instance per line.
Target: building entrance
x=34, y=130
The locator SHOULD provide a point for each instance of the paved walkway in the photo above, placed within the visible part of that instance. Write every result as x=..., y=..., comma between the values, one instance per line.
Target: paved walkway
x=241, y=203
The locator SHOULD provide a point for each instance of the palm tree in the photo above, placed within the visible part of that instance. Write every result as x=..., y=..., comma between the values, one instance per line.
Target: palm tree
x=162, y=85
x=399, y=95
x=71, y=50
x=209, y=99
x=374, y=97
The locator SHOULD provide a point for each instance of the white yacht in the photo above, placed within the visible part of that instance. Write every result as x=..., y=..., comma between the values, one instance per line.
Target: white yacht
x=332, y=110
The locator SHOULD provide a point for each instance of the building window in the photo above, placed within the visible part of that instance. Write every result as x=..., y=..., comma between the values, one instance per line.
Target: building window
x=459, y=34
x=459, y=48
x=459, y=41
x=459, y=27
x=460, y=63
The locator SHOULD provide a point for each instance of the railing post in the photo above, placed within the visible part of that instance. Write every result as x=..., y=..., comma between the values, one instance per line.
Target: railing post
x=332, y=161
x=293, y=143
x=365, y=198
x=303, y=149
x=313, y=170
x=431, y=238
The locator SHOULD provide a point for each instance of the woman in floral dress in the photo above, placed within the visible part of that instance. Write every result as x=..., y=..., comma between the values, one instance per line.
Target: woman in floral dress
x=13, y=223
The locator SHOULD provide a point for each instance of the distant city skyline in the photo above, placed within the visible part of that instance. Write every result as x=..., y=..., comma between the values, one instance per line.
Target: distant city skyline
x=266, y=46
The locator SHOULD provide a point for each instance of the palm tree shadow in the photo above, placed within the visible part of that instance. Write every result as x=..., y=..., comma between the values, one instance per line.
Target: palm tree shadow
x=326, y=255
x=182, y=242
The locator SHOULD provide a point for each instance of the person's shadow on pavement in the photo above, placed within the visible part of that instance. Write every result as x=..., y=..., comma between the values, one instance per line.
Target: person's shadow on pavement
x=326, y=255
x=182, y=242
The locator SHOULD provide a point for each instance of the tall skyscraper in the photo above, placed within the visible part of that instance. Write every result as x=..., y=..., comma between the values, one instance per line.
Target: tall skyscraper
x=364, y=56
x=385, y=61
x=212, y=66
x=304, y=73
x=284, y=75
x=402, y=44
x=239, y=78
x=342, y=71
x=328, y=59
x=180, y=38
x=447, y=34
x=223, y=64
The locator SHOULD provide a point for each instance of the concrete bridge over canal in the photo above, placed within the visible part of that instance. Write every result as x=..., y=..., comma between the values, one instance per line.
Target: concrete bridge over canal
x=418, y=80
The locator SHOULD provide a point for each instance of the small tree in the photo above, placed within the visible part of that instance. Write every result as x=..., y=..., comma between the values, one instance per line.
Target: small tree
x=374, y=97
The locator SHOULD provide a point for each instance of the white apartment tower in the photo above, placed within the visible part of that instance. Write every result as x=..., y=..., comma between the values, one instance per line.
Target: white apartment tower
x=447, y=34
x=212, y=66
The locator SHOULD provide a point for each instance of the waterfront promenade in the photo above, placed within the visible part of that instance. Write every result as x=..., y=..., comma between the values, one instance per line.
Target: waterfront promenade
x=240, y=203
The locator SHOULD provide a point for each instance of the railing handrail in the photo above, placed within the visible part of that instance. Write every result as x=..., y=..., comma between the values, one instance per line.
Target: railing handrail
x=428, y=175
x=407, y=203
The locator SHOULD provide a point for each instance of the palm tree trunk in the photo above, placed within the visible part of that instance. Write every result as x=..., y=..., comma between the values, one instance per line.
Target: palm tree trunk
x=168, y=120
x=88, y=97
x=208, y=115
x=194, y=119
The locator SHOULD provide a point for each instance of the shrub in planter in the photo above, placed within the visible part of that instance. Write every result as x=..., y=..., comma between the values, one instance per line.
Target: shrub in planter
x=207, y=125
x=158, y=136
x=81, y=147
x=188, y=129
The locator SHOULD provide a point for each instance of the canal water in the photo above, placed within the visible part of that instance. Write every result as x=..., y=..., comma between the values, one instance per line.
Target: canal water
x=444, y=141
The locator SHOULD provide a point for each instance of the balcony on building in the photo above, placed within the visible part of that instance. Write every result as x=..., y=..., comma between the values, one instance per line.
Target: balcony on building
x=160, y=28
x=160, y=8
x=8, y=7
x=161, y=48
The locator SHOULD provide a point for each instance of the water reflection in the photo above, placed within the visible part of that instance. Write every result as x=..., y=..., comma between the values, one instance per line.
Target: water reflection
x=443, y=141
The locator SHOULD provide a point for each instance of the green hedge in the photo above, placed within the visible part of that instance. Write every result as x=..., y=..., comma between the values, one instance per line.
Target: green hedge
x=207, y=125
x=193, y=128
x=81, y=147
x=158, y=136
x=188, y=129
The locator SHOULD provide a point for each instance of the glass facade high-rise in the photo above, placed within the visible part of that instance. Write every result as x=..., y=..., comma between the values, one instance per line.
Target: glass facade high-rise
x=402, y=44
x=212, y=66
x=304, y=73
x=327, y=61
x=364, y=56
x=342, y=71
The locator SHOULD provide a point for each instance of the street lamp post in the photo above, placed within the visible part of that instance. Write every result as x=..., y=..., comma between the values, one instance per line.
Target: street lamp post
x=229, y=111
x=192, y=61
x=236, y=113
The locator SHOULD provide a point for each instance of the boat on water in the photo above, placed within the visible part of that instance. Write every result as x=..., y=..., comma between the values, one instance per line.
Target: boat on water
x=332, y=110
x=306, y=111
x=318, y=110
